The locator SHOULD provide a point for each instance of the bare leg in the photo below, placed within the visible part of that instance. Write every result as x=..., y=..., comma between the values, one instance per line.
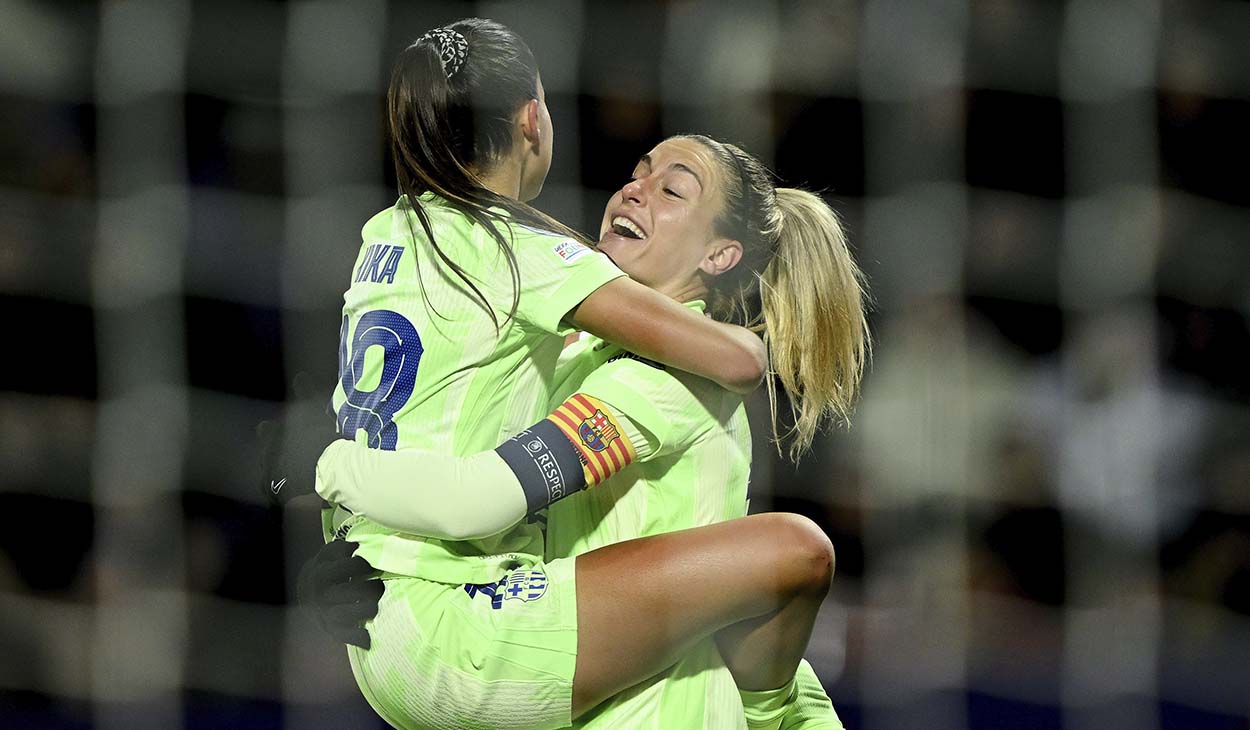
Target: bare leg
x=641, y=604
x=762, y=653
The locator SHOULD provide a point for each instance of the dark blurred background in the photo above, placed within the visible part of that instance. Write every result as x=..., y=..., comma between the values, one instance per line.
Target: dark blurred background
x=1042, y=512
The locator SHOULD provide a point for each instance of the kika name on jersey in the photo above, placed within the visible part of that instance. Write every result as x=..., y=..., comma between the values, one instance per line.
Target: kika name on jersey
x=372, y=267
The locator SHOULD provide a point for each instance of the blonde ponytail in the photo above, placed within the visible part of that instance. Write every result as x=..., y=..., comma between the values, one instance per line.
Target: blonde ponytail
x=812, y=298
x=812, y=295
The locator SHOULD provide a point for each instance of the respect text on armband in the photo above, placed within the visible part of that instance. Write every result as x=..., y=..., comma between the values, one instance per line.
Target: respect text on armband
x=540, y=452
x=545, y=464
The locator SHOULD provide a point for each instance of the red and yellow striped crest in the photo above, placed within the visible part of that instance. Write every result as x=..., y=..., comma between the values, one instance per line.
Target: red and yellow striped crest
x=596, y=433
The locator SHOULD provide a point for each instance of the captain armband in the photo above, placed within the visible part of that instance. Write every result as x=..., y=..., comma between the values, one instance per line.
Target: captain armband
x=579, y=445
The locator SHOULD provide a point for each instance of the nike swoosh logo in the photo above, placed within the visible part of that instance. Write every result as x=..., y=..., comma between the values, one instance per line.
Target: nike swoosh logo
x=276, y=487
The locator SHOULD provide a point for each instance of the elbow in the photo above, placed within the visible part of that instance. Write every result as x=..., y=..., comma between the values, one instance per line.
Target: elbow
x=462, y=531
x=749, y=367
x=460, y=535
x=425, y=526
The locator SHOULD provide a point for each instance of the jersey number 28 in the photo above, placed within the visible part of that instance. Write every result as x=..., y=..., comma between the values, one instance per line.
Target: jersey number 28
x=374, y=410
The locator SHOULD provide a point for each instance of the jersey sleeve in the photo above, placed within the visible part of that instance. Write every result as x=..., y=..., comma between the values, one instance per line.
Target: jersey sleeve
x=666, y=413
x=434, y=494
x=556, y=275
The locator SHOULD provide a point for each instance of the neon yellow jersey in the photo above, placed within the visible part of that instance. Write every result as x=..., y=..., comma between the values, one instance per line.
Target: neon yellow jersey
x=421, y=364
x=692, y=468
x=692, y=471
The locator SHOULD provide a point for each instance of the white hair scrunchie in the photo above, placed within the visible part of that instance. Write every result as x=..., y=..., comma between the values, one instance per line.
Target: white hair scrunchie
x=452, y=48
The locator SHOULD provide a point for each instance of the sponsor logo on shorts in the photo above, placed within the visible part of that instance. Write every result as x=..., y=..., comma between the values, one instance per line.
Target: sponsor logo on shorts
x=570, y=251
x=597, y=431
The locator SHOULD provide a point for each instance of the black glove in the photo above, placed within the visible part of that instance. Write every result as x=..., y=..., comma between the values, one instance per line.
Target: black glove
x=338, y=589
x=291, y=445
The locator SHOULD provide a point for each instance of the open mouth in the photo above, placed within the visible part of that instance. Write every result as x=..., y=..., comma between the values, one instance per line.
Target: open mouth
x=626, y=228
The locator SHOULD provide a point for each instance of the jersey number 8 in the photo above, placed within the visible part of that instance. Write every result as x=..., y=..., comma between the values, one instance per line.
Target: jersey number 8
x=374, y=410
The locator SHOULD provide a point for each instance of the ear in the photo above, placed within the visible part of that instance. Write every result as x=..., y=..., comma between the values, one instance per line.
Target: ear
x=529, y=123
x=723, y=255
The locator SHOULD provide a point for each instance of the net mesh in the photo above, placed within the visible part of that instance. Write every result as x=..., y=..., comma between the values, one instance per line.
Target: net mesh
x=1042, y=513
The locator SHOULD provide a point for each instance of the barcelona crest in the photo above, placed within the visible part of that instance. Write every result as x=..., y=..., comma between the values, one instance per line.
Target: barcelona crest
x=527, y=585
x=590, y=429
x=597, y=431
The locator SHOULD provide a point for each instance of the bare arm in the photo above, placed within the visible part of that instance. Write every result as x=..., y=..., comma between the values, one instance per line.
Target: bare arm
x=654, y=326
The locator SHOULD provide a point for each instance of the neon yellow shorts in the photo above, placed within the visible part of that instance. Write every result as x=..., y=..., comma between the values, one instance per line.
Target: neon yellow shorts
x=452, y=657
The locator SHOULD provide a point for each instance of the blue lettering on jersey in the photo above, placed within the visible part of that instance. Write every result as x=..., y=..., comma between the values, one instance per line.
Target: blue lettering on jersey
x=372, y=259
x=392, y=264
x=372, y=256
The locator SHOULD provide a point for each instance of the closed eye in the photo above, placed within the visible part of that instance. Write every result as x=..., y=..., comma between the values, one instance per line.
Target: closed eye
x=672, y=192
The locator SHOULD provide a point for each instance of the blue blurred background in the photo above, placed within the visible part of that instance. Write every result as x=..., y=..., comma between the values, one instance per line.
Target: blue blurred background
x=1041, y=513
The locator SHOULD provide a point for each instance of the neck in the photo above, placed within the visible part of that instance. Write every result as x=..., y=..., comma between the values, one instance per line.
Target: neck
x=504, y=179
x=685, y=291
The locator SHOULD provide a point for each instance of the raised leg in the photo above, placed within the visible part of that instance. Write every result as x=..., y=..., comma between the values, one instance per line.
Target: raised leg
x=643, y=603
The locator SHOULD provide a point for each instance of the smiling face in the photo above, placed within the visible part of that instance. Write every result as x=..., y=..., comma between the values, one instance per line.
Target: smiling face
x=660, y=227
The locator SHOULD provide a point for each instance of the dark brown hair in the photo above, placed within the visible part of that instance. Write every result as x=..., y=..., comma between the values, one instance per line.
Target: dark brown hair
x=447, y=130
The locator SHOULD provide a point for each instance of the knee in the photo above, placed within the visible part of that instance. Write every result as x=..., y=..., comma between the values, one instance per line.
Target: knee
x=808, y=553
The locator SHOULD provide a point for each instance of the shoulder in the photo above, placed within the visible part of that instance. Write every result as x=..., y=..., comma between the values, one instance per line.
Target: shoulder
x=675, y=409
x=547, y=242
x=677, y=397
x=401, y=223
x=379, y=224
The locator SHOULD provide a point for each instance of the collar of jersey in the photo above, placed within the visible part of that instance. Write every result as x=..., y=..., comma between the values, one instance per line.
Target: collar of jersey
x=429, y=197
